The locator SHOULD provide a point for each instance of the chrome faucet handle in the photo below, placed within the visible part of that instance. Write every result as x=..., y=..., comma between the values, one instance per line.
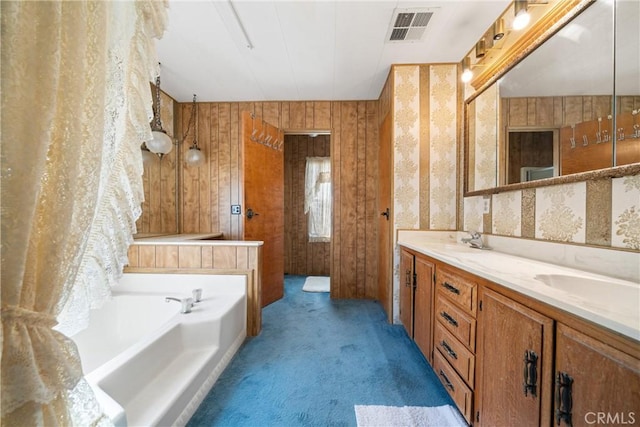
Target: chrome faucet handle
x=187, y=303
x=197, y=295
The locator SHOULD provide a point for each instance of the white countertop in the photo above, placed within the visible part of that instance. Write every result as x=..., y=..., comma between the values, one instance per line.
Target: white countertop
x=594, y=300
x=202, y=239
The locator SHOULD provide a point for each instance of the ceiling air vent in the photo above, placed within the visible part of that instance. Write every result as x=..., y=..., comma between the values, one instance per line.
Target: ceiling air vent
x=409, y=25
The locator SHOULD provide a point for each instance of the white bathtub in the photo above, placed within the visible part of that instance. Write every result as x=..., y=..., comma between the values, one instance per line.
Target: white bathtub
x=151, y=365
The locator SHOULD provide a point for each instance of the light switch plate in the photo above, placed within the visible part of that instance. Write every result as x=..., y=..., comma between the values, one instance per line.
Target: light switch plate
x=236, y=210
x=486, y=205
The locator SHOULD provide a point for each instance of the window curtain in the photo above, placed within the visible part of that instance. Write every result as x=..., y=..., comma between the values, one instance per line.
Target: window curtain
x=76, y=105
x=317, y=200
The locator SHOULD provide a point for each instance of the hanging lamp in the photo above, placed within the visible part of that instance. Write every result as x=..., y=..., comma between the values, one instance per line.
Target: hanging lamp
x=194, y=156
x=161, y=143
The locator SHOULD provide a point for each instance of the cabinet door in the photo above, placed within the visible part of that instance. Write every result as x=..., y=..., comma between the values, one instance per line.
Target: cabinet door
x=514, y=371
x=595, y=383
x=406, y=291
x=423, y=320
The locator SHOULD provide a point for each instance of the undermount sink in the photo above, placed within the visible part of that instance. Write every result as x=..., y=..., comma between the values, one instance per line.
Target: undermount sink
x=602, y=293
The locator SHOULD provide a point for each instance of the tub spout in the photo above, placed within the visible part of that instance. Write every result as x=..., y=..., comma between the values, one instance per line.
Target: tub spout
x=186, y=303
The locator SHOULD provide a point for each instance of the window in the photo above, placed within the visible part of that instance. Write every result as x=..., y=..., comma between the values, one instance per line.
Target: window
x=317, y=201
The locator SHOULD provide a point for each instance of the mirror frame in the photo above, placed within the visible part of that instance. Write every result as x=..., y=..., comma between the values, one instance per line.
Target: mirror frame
x=557, y=17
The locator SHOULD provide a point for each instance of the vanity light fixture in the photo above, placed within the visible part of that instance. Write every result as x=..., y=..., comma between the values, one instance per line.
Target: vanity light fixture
x=147, y=156
x=498, y=29
x=161, y=143
x=194, y=157
x=467, y=74
x=522, y=17
x=481, y=49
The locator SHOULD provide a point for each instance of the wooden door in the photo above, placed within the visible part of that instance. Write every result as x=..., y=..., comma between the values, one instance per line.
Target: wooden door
x=423, y=307
x=595, y=384
x=385, y=231
x=263, y=175
x=406, y=291
x=514, y=350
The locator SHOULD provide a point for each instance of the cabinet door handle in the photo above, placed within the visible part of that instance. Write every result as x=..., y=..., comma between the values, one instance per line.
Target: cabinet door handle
x=451, y=288
x=530, y=372
x=407, y=278
x=446, y=380
x=564, y=401
x=448, y=349
x=446, y=316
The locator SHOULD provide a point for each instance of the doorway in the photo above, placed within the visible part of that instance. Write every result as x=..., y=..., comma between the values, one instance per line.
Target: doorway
x=303, y=255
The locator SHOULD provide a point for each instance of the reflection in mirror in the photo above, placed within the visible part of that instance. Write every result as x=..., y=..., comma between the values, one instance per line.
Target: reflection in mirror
x=555, y=108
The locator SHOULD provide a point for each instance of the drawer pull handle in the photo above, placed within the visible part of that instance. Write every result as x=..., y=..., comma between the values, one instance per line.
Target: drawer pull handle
x=448, y=318
x=530, y=373
x=448, y=349
x=564, y=401
x=451, y=288
x=446, y=380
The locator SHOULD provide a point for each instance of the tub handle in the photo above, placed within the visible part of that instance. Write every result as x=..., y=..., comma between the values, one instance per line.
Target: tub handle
x=197, y=295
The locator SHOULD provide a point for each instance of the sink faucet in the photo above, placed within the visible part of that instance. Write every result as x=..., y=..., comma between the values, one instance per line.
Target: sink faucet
x=474, y=240
x=186, y=303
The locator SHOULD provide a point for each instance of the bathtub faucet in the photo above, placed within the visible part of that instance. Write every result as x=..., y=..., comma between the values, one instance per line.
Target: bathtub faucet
x=186, y=303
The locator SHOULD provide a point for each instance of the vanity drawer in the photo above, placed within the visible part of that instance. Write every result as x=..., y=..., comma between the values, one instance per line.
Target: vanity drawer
x=458, y=289
x=460, y=358
x=460, y=324
x=457, y=389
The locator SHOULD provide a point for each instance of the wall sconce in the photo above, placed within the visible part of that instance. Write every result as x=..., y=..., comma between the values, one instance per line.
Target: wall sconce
x=522, y=17
x=467, y=74
x=498, y=29
x=161, y=143
x=194, y=156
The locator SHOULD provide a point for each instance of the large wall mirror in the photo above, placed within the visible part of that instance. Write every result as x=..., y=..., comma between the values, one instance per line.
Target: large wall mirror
x=570, y=106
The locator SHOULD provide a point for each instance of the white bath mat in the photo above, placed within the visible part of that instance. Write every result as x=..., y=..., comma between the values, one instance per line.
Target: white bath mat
x=316, y=284
x=396, y=416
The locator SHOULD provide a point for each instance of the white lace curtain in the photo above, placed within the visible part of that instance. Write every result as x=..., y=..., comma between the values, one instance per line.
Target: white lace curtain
x=76, y=106
x=317, y=200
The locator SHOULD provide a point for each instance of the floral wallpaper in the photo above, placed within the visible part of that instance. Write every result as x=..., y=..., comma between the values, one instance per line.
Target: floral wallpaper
x=561, y=212
x=507, y=214
x=473, y=208
x=406, y=147
x=425, y=126
x=625, y=212
x=486, y=137
x=443, y=121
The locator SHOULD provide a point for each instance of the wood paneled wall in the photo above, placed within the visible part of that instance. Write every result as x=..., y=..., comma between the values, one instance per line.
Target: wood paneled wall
x=302, y=257
x=159, y=181
x=208, y=192
x=216, y=259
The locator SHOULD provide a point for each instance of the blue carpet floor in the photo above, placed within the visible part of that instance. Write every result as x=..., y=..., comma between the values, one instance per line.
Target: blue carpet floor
x=314, y=360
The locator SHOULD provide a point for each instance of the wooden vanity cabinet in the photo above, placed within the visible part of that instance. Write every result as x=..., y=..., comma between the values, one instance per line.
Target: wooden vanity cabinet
x=455, y=335
x=507, y=359
x=407, y=291
x=416, y=300
x=514, y=364
x=595, y=383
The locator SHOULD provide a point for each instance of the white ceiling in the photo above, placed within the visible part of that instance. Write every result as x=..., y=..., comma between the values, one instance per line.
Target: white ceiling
x=304, y=49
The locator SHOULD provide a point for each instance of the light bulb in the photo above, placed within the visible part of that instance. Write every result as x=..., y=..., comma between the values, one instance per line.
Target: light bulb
x=467, y=75
x=161, y=143
x=194, y=156
x=522, y=17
